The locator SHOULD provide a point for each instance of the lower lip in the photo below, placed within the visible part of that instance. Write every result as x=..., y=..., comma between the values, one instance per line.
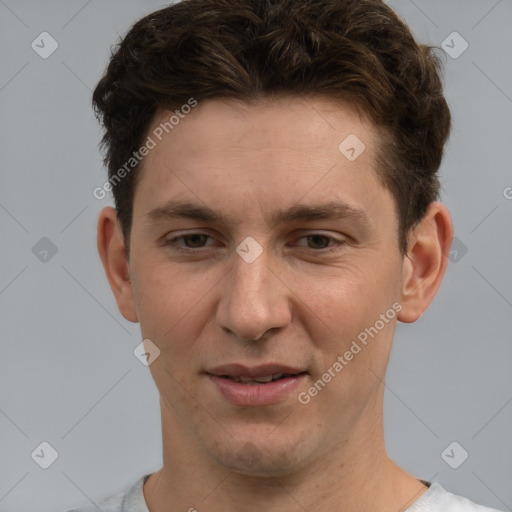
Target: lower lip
x=256, y=395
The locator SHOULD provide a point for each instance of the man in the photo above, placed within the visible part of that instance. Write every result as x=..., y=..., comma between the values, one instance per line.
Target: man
x=274, y=167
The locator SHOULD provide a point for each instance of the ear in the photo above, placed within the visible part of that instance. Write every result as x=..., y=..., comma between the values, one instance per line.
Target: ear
x=112, y=253
x=426, y=261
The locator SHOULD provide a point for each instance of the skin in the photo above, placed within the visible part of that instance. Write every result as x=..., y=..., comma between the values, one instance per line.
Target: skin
x=296, y=304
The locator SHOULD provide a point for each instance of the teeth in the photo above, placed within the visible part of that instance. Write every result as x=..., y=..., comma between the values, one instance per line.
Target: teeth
x=261, y=380
x=268, y=378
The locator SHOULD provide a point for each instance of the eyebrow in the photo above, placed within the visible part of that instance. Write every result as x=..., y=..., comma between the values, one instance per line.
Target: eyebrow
x=174, y=209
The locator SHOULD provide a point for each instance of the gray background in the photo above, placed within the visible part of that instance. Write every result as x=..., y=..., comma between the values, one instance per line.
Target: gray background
x=68, y=375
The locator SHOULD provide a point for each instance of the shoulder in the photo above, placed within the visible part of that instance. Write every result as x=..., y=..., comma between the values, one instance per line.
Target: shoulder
x=438, y=499
x=130, y=499
x=112, y=503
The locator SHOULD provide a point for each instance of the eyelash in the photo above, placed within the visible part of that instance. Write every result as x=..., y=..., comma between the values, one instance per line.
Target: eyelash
x=173, y=243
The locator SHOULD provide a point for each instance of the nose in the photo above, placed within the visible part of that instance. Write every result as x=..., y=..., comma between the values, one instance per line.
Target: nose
x=254, y=299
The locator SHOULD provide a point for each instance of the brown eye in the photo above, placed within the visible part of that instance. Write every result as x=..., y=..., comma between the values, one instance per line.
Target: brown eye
x=189, y=241
x=321, y=243
x=318, y=241
x=195, y=240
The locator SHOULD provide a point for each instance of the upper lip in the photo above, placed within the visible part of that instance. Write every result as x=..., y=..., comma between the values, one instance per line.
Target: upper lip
x=239, y=370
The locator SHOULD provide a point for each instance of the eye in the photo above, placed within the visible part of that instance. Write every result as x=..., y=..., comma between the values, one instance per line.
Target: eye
x=191, y=241
x=320, y=242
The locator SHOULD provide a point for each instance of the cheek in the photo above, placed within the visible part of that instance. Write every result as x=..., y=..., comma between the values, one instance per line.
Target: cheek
x=348, y=298
x=343, y=313
x=170, y=303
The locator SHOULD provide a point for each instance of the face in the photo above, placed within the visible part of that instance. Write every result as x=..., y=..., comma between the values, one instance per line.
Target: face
x=259, y=249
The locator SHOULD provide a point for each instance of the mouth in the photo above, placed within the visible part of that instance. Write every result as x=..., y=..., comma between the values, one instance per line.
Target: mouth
x=261, y=374
x=260, y=380
x=256, y=386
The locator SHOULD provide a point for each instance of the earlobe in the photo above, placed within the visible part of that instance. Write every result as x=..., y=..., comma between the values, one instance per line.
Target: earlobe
x=112, y=253
x=426, y=261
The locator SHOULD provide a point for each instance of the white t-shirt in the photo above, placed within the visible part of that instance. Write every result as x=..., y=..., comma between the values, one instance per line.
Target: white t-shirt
x=436, y=499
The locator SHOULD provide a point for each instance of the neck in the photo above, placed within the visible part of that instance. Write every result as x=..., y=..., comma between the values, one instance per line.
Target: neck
x=356, y=475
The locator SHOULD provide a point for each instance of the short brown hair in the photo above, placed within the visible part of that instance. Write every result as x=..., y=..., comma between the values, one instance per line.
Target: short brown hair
x=353, y=50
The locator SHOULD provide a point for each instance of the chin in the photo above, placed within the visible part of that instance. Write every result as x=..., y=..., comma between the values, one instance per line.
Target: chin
x=260, y=457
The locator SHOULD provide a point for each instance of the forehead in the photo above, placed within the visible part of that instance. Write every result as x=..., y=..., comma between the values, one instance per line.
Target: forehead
x=295, y=134
x=227, y=153
x=294, y=123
